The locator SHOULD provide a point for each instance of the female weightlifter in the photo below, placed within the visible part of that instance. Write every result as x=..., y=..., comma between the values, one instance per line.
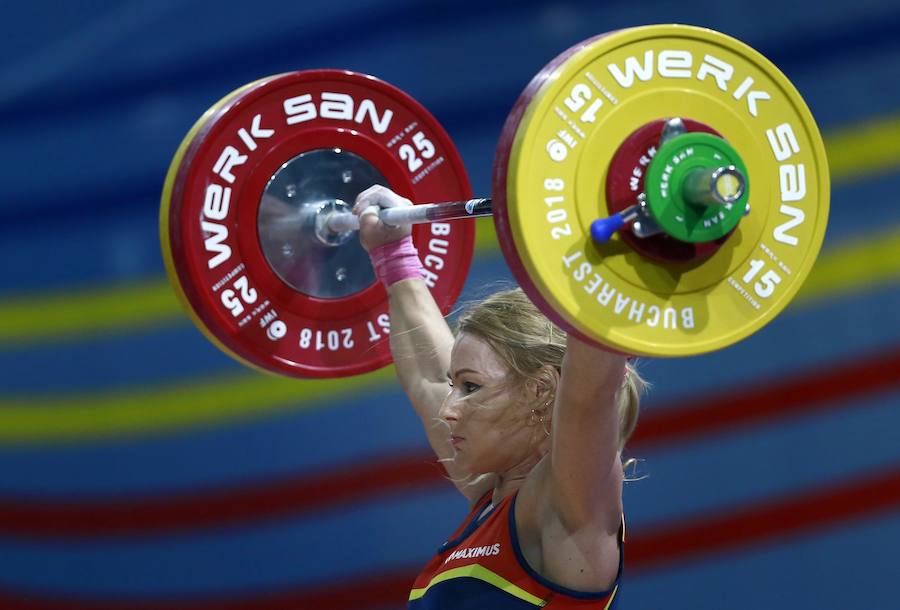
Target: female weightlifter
x=530, y=425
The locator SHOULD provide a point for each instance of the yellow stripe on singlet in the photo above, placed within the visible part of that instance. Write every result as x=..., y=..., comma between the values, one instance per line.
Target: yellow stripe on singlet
x=611, y=598
x=480, y=573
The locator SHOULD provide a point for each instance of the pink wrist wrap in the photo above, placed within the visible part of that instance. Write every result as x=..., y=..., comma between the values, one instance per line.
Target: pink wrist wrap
x=398, y=260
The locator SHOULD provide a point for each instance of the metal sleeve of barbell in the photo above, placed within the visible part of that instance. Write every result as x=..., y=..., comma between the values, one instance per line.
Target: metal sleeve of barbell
x=340, y=222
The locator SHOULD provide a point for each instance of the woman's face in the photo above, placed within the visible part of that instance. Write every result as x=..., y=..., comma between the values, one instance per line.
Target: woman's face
x=488, y=420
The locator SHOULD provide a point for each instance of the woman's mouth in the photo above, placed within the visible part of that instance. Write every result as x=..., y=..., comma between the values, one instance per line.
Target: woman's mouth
x=456, y=440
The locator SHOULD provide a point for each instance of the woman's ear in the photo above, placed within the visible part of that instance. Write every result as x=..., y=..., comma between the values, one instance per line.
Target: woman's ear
x=542, y=387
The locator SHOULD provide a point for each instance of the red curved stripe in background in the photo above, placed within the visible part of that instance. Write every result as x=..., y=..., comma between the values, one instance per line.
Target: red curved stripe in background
x=663, y=544
x=376, y=591
x=92, y=518
x=806, y=510
x=189, y=511
x=771, y=400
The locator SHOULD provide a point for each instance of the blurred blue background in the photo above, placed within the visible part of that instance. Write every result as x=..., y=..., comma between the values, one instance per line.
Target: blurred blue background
x=142, y=468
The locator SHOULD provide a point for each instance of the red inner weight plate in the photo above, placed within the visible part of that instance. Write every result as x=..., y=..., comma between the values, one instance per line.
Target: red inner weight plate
x=254, y=300
x=626, y=174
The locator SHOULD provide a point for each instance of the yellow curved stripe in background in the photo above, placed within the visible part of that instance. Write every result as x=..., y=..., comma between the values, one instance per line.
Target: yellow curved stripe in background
x=871, y=260
x=55, y=317
x=865, y=262
x=865, y=149
x=55, y=418
x=98, y=415
x=855, y=152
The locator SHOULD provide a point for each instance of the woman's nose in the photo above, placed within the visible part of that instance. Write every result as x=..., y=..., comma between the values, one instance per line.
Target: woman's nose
x=449, y=410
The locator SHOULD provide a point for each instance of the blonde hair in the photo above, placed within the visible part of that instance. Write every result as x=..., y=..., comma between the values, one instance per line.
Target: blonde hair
x=526, y=341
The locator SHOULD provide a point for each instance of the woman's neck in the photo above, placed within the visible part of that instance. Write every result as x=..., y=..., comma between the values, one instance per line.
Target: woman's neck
x=511, y=480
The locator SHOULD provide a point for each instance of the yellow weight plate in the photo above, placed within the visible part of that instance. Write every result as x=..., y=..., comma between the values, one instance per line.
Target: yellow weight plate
x=550, y=173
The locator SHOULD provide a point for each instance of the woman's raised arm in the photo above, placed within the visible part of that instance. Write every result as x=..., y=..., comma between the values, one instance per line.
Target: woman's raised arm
x=585, y=463
x=420, y=338
x=572, y=504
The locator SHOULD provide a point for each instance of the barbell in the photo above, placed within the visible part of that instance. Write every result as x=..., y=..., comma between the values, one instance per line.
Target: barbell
x=621, y=199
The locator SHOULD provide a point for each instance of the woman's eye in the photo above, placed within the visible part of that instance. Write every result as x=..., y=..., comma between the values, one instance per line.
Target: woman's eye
x=467, y=387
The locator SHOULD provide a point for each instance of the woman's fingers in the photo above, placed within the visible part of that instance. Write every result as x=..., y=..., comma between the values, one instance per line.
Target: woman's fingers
x=372, y=231
x=379, y=196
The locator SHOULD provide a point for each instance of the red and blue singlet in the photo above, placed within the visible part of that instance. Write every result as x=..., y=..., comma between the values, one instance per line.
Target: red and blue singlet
x=482, y=566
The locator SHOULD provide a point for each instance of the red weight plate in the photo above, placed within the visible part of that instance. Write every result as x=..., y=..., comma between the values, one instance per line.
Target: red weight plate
x=630, y=162
x=211, y=212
